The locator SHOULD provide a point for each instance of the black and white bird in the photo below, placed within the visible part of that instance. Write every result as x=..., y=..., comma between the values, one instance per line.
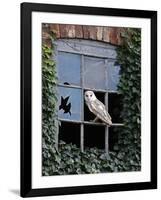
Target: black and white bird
x=97, y=108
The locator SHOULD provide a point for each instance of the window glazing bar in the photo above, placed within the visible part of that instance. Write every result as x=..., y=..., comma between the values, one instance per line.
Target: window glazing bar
x=82, y=105
x=106, y=128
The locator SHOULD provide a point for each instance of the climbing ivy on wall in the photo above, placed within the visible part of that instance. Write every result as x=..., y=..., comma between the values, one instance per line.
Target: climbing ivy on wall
x=49, y=114
x=67, y=158
x=129, y=57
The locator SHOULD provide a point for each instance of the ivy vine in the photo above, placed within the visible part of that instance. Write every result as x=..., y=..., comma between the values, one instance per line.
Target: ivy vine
x=129, y=57
x=49, y=113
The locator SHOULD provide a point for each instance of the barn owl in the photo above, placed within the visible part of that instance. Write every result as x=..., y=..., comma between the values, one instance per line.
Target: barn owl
x=97, y=108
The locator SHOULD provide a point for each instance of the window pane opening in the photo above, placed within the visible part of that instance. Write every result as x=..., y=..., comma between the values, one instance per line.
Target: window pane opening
x=94, y=136
x=115, y=107
x=70, y=133
x=113, y=138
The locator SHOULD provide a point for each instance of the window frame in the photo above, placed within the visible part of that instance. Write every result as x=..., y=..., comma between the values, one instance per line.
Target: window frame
x=94, y=49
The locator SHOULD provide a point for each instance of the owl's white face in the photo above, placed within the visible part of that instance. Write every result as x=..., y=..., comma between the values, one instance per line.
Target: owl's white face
x=89, y=96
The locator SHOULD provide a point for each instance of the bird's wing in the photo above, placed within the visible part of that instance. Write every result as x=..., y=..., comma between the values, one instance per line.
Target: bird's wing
x=99, y=109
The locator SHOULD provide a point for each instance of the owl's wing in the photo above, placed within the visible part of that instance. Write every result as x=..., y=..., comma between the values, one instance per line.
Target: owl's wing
x=98, y=108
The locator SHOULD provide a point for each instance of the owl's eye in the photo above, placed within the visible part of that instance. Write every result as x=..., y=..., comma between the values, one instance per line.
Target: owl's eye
x=90, y=95
x=86, y=95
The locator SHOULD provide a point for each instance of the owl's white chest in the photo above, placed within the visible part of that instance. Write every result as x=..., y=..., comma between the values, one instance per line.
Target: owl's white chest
x=91, y=105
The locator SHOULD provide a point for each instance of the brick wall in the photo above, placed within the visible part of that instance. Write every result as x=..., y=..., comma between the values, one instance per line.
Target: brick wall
x=98, y=33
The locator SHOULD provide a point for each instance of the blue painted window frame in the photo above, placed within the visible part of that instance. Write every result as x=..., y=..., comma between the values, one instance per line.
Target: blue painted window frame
x=94, y=49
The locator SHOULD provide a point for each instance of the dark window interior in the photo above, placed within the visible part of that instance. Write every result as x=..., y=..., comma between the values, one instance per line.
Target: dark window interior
x=70, y=133
x=114, y=106
x=113, y=137
x=94, y=136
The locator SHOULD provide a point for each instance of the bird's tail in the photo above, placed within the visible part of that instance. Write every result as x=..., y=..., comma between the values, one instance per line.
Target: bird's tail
x=108, y=122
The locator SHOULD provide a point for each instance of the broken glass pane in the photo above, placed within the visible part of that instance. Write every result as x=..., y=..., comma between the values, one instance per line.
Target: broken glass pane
x=115, y=107
x=94, y=136
x=113, y=137
x=69, y=68
x=113, y=75
x=70, y=133
x=94, y=73
x=69, y=103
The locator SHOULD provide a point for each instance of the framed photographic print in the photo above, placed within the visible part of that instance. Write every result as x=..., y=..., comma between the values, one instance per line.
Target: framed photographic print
x=88, y=99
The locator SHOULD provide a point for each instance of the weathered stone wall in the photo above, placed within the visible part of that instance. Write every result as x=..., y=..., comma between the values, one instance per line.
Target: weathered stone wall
x=98, y=33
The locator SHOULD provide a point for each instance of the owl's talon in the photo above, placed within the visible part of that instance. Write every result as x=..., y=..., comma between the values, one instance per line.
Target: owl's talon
x=92, y=120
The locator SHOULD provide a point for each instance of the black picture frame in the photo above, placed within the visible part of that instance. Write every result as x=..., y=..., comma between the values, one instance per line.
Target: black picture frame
x=26, y=102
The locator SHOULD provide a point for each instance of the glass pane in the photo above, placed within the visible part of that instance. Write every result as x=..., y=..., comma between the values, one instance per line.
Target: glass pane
x=94, y=73
x=113, y=75
x=69, y=68
x=69, y=103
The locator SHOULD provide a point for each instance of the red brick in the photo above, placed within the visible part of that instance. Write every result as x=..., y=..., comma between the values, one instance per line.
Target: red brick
x=78, y=31
x=67, y=31
x=45, y=35
x=106, y=34
x=119, y=35
x=99, y=34
x=55, y=29
x=93, y=32
x=114, y=36
x=86, y=32
x=71, y=31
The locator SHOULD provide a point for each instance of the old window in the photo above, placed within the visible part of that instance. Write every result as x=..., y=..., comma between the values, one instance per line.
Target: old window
x=87, y=65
